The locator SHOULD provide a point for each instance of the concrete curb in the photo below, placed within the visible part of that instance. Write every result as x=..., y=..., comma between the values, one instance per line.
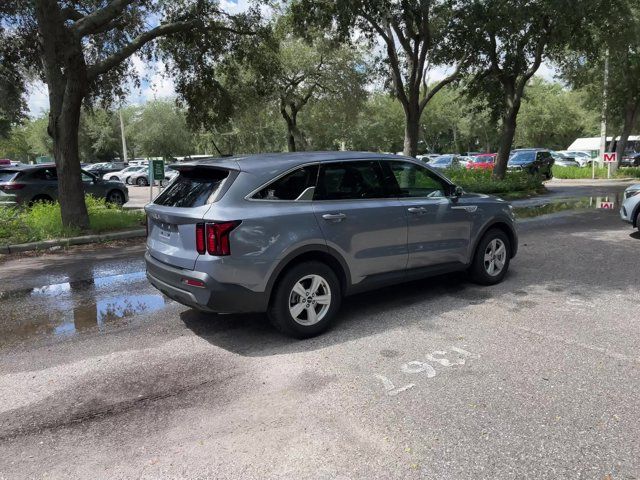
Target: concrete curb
x=64, y=242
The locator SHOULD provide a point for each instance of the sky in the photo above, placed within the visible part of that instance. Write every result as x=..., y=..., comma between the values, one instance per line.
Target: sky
x=155, y=85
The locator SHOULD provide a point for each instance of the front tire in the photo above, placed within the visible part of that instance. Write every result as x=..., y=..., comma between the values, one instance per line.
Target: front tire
x=142, y=182
x=492, y=257
x=306, y=300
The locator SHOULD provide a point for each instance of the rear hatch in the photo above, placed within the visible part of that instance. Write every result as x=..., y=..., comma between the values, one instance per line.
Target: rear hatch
x=7, y=188
x=173, y=215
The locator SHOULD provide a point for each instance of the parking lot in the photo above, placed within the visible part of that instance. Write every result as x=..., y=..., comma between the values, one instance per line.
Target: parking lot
x=537, y=377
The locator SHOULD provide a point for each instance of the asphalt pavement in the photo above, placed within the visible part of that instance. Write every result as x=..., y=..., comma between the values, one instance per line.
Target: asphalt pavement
x=538, y=377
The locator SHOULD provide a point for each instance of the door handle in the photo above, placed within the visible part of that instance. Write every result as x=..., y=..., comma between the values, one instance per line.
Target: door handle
x=334, y=217
x=416, y=210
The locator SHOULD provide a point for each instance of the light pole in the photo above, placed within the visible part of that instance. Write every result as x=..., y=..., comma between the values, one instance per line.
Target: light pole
x=124, y=140
x=603, y=118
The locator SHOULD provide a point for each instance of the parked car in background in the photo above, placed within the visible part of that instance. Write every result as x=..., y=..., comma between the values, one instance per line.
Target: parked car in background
x=427, y=157
x=446, y=161
x=170, y=174
x=122, y=175
x=39, y=183
x=292, y=234
x=465, y=160
x=5, y=162
x=630, y=159
x=630, y=210
x=101, y=169
x=583, y=158
x=483, y=161
x=563, y=160
x=536, y=161
x=139, y=177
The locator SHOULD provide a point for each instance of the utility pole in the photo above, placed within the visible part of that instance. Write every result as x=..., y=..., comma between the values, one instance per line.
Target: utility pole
x=124, y=140
x=603, y=119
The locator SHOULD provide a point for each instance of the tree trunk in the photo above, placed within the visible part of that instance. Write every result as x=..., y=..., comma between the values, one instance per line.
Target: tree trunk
x=411, y=130
x=507, y=135
x=66, y=76
x=70, y=186
x=630, y=118
x=290, y=120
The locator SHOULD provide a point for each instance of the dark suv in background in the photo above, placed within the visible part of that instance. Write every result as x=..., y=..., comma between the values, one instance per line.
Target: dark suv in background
x=291, y=234
x=39, y=183
x=536, y=161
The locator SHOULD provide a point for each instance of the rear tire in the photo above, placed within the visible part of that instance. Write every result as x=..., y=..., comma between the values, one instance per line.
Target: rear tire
x=305, y=300
x=142, y=182
x=490, y=262
x=116, y=197
x=41, y=199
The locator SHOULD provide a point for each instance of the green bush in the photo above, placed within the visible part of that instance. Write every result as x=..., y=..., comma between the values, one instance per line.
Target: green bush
x=480, y=181
x=42, y=221
x=633, y=172
x=601, y=172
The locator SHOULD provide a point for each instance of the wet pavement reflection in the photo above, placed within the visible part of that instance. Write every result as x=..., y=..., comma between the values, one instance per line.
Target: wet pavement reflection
x=68, y=308
x=611, y=203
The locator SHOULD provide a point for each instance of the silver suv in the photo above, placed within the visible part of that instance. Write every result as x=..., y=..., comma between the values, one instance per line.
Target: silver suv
x=292, y=234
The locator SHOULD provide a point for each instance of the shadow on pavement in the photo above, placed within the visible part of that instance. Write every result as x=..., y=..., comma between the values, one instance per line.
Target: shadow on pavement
x=360, y=316
x=586, y=253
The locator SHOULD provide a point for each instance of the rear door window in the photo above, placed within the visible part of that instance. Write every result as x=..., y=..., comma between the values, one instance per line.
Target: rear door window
x=193, y=187
x=297, y=185
x=48, y=174
x=350, y=180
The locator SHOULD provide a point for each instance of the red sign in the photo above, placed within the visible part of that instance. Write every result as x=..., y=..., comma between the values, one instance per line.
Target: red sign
x=606, y=205
x=611, y=157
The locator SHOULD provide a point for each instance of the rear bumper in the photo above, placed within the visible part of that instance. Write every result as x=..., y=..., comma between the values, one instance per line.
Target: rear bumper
x=214, y=297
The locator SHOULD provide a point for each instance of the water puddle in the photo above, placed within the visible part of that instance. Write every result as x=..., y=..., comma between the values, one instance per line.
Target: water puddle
x=69, y=308
x=611, y=203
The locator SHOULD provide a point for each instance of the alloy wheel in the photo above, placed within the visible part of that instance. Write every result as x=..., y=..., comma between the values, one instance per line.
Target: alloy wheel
x=495, y=257
x=309, y=300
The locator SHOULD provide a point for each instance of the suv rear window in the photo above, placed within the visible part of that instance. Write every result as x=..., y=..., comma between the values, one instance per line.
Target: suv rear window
x=192, y=188
x=7, y=176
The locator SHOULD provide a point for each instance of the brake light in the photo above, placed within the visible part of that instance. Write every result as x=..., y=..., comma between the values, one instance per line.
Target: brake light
x=193, y=283
x=12, y=186
x=200, y=241
x=218, y=237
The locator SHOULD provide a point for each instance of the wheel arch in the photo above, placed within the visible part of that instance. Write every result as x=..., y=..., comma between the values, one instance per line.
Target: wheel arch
x=634, y=216
x=320, y=253
x=503, y=225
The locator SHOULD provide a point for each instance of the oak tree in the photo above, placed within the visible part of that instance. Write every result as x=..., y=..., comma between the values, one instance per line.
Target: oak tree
x=82, y=49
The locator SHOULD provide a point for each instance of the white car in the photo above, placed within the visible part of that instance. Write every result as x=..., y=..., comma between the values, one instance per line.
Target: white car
x=140, y=178
x=630, y=211
x=122, y=175
x=583, y=158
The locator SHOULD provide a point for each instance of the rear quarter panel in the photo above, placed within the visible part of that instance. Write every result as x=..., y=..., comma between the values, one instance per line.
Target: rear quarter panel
x=268, y=232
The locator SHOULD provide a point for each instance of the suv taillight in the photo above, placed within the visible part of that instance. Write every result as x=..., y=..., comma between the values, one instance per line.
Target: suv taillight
x=217, y=235
x=12, y=186
x=200, y=242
